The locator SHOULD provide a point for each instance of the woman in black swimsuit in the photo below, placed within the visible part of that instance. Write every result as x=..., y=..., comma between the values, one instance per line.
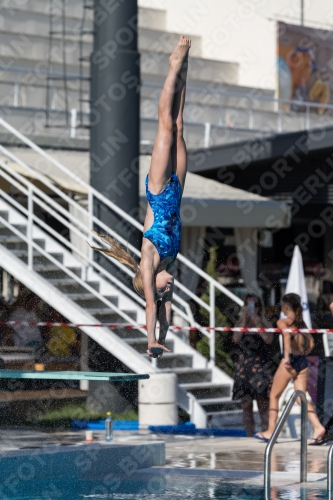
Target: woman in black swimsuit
x=294, y=365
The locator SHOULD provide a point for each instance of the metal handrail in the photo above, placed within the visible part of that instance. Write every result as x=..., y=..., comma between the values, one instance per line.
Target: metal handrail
x=330, y=473
x=276, y=433
x=31, y=191
x=35, y=190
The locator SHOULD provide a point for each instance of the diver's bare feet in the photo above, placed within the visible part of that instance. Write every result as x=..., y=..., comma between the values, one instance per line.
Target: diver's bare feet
x=180, y=52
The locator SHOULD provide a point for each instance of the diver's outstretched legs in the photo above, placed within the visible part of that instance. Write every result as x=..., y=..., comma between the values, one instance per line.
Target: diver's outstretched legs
x=161, y=167
x=178, y=149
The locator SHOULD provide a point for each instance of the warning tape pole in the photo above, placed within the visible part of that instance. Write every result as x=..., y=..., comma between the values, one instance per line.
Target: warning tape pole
x=172, y=327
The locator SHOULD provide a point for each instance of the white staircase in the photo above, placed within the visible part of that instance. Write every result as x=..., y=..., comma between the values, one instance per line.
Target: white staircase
x=71, y=281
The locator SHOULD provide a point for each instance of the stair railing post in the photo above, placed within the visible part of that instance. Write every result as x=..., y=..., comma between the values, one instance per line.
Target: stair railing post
x=207, y=134
x=220, y=122
x=279, y=126
x=304, y=438
x=307, y=117
x=212, y=323
x=73, y=116
x=90, y=223
x=30, y=228
x=250, y=112
x=275, y=435
x=329, y=473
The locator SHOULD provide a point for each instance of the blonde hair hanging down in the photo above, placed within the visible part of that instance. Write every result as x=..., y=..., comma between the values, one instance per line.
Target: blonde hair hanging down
x=116, y=251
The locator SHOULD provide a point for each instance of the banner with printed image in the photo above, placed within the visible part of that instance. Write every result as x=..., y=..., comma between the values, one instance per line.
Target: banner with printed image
x=305, y=66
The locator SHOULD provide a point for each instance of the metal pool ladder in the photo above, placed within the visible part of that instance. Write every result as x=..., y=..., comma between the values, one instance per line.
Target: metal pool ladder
x=329, y=474
x=275, y=435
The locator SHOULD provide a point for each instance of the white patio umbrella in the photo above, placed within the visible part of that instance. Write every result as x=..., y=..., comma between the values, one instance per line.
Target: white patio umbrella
x=296, y=284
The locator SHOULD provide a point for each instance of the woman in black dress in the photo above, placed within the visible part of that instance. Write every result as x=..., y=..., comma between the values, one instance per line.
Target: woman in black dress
x=253, y=373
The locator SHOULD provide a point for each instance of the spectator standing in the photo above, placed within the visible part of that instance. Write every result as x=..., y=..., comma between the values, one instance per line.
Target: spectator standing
x=25, y=309
x=5, y=337
x=62, y=339
x=252, y=371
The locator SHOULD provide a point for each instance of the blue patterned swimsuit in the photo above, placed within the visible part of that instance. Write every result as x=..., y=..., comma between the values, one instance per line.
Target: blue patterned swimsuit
x=166, y=229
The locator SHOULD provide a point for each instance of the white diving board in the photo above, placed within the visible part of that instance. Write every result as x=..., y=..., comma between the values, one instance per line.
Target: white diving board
x=71, y=375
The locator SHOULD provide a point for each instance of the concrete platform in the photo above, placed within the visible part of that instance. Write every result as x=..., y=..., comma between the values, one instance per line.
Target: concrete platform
x=197, y=452
x=81, y=460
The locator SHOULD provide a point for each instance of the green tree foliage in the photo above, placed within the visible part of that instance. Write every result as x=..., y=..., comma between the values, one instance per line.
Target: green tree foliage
x=222, y=359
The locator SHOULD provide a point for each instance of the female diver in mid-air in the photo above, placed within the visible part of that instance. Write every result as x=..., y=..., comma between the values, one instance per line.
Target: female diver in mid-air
x=164, y=188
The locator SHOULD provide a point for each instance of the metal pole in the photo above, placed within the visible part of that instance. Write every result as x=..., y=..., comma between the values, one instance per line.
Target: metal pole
x=30, y=229
x=279, y=118
x=207, y=134
x=212, y=323
x=220, y=111
x=304, y=438
x=307, y=117
x=115, y=113
x=73, y=123
x=90, y=223
x=251, y=114
x=329, y=473
x=302, y=12
x=84, y=360
x=16, y=92
x=275, y=435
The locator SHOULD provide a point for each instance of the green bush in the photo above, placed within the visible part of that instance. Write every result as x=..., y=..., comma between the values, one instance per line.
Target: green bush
x=65, y=415
x=222, y=359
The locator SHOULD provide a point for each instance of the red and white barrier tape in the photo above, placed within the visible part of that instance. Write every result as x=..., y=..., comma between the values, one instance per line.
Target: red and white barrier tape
x=129, y=326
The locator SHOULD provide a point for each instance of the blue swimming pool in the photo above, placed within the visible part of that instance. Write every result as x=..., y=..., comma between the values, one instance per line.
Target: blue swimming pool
x=153, y=486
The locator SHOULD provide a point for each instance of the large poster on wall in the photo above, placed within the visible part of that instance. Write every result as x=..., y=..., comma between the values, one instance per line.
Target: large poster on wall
x=305, y=66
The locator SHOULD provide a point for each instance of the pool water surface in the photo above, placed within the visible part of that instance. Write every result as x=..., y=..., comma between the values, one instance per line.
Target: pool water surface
x=153, y=486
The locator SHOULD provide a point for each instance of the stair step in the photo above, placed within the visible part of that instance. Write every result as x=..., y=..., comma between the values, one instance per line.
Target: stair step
x=10, y=239
x=68, y=285
x=207, y=391
x=5, y=230
x=188, y=375
x=14, y=242
x=4, y=214
x=54, y=273
x=38, y=257
x=140, y=344
x=218, y=405
x=125, y=333
x=106, y=315
x=89, y=301
x=171, y=360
